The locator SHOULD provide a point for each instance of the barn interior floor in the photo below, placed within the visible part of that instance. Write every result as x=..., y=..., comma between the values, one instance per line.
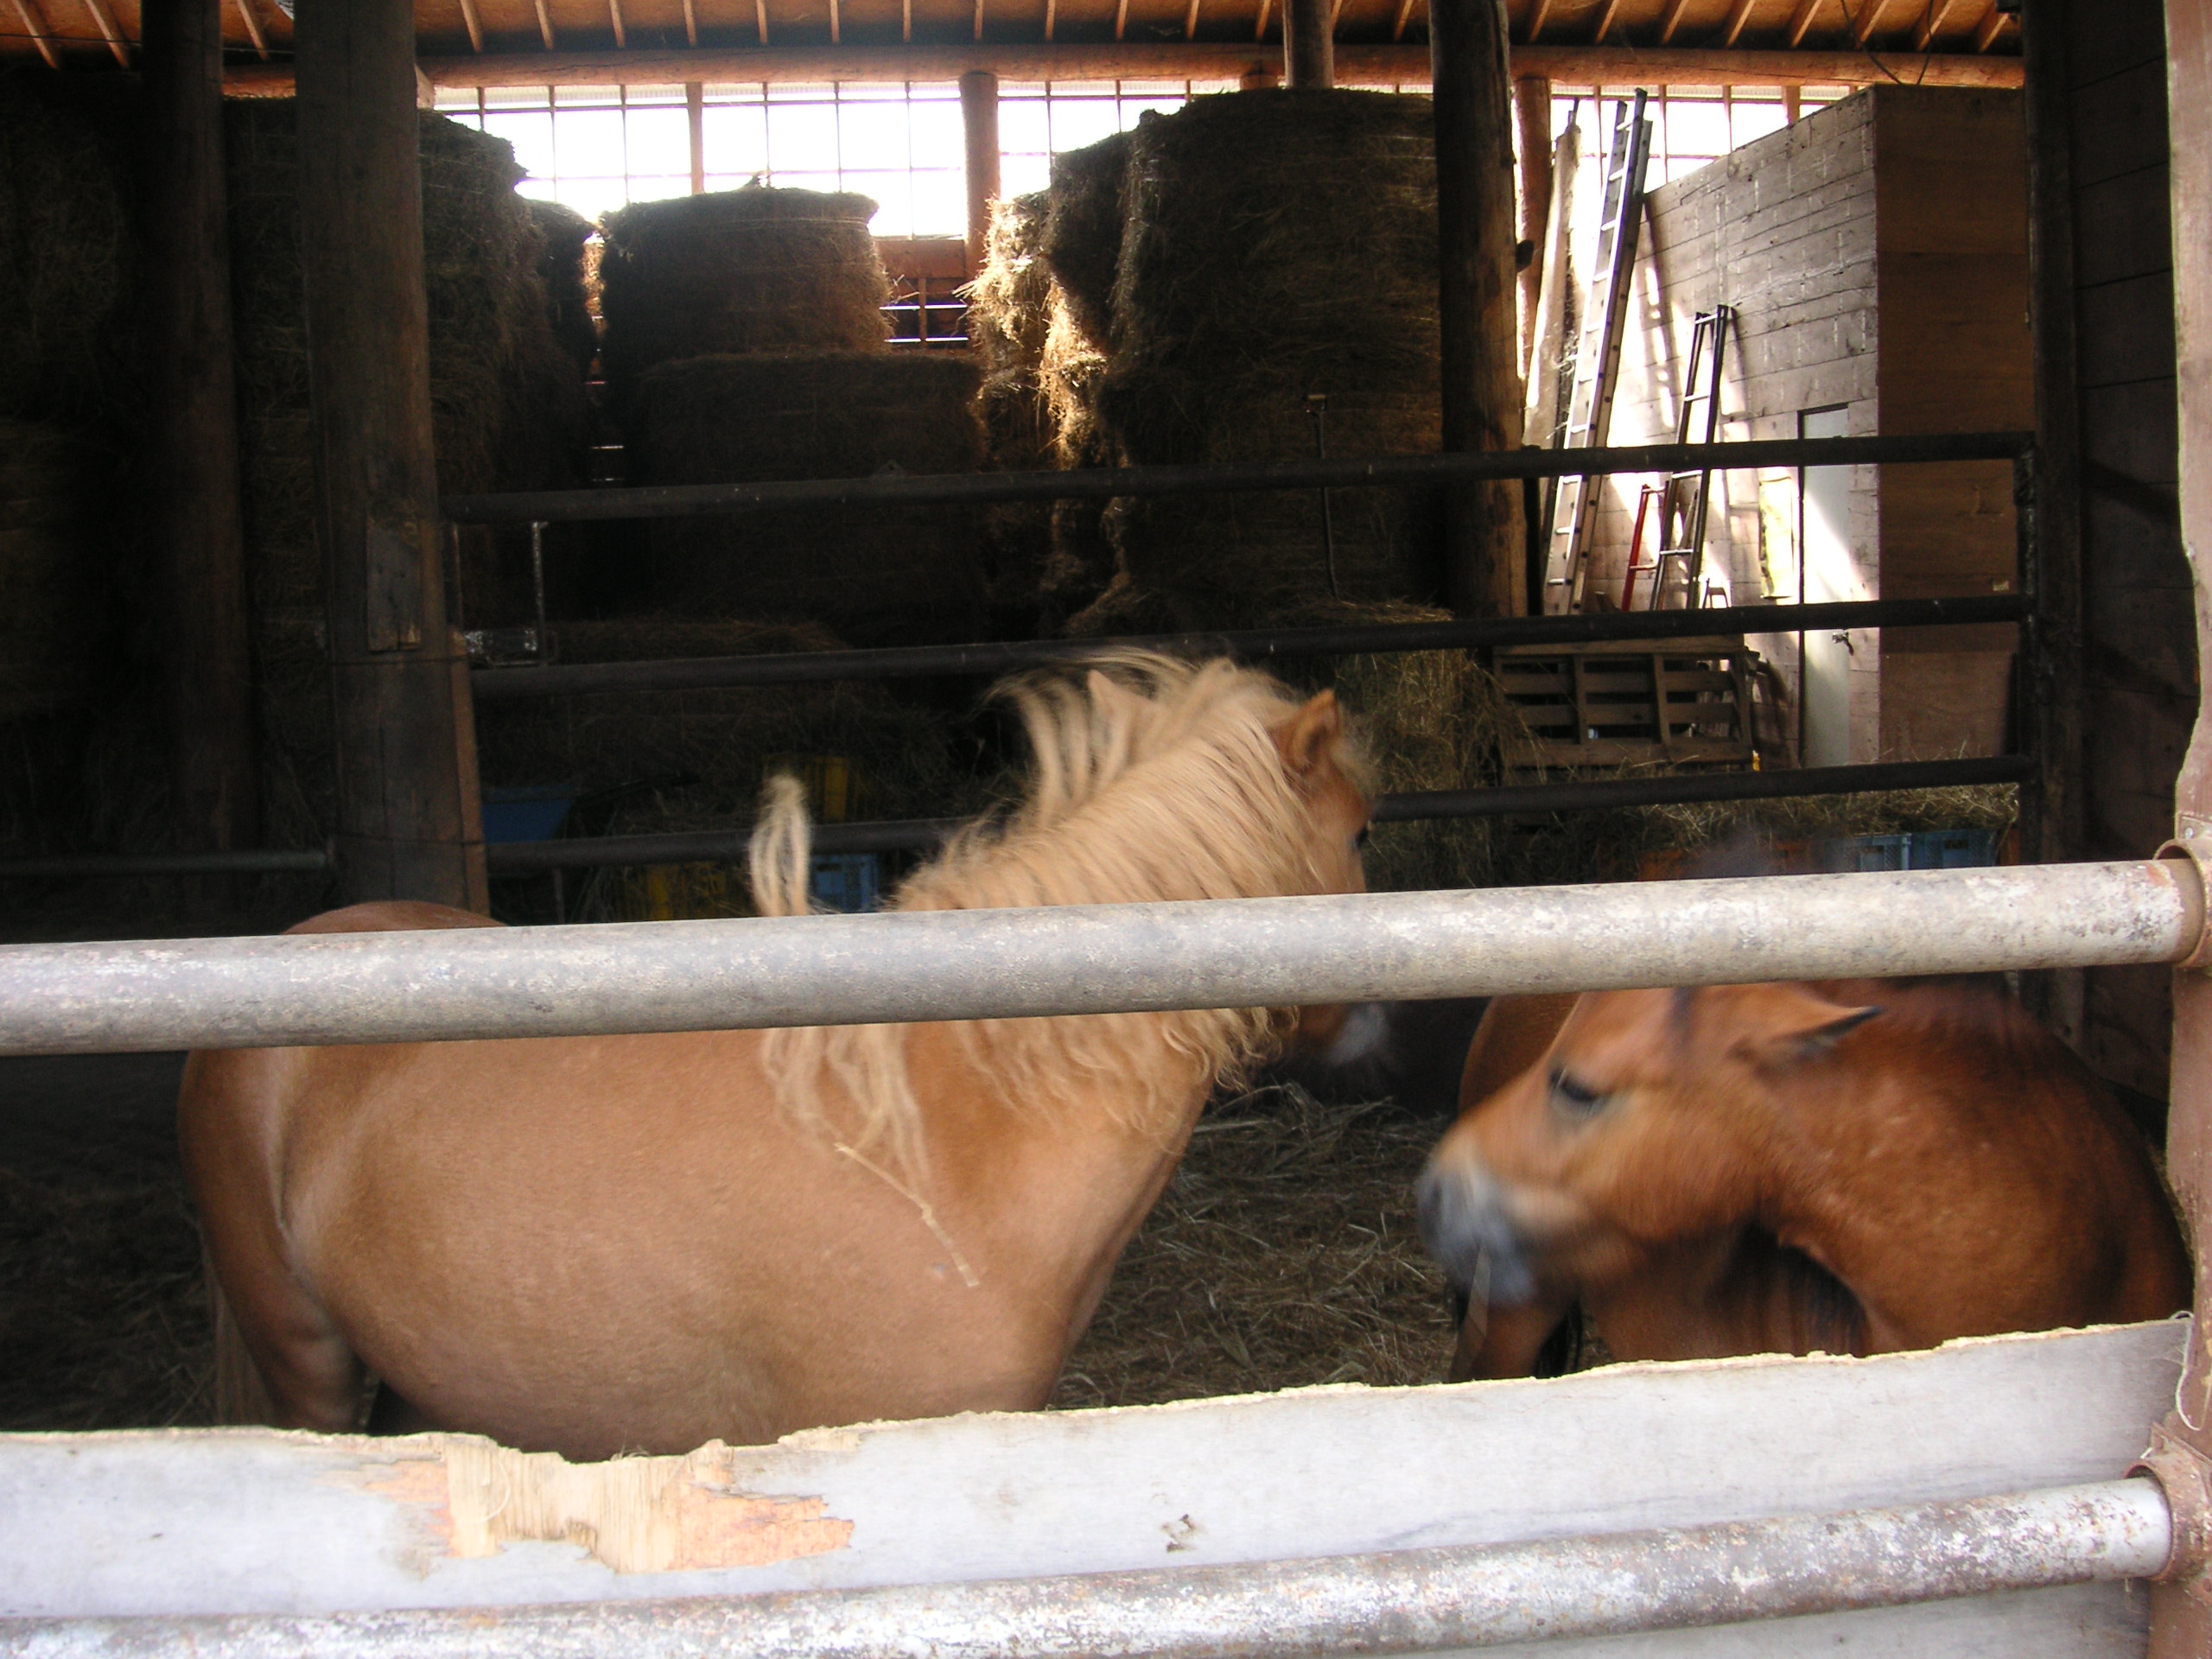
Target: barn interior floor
x=1284, y=1253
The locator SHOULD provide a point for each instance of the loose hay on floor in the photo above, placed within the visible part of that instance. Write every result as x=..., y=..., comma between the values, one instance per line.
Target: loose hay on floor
x=1282, y=1253
x=103, y=1316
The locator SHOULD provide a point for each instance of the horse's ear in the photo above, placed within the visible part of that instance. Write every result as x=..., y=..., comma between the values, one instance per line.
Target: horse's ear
x=1306, y=737
x=1805, y=1031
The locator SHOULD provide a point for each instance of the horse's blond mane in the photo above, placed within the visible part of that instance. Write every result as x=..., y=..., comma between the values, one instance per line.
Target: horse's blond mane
x=1152, y=779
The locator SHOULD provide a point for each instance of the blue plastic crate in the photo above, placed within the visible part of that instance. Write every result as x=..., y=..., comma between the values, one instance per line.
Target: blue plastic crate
x=535, y=813
x=1919, y=850
x=847, y=881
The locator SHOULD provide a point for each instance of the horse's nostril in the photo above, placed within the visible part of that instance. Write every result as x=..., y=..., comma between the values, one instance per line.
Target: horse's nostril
x=1464, y=1225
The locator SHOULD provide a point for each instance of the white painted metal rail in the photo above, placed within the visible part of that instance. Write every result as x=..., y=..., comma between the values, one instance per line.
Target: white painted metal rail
x=1107, y=958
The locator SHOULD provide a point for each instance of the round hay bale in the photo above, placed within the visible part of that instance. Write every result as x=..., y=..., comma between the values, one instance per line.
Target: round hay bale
x=878, y=576
x=1275, y=244
x=55, y=622
x=755, y=269
x=1083, y=229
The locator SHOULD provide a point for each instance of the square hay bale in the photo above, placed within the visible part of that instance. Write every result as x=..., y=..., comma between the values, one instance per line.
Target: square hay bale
x=877, y=576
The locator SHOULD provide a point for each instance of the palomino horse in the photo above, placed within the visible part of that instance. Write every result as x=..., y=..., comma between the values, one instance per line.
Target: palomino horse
x=599, y=1244
x=1851, y=1167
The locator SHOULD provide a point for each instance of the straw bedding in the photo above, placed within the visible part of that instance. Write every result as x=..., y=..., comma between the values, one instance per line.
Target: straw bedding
x=877, y=576
x=755, y=269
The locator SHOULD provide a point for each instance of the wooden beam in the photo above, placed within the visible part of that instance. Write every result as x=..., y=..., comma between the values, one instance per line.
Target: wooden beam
x=979, y=17
x=1672, y=21
x=1397, y=29
x=1189, y=21
x=694, y=121
x=197, y=520
x=1540, y=10
x=760, y=19
x=1052, y=15
x=1356, y=64
x=2180, y=1622
x=1532, y=111
x=408, y=821
x=979, y=126
x=34, y=26
x=104, y=20
x=1991, y=27
x=253, y=30
x=837, y=24
x=691, y=23
x=1932, y=22
x=1869, y=20
x=1605, y=22
x=1738, y=15
x=1477, y=298
x=545, y=28
x=1800, y=20
x=622, y=35
x=1309, y=56
x=906, y=20
x=1259, y=28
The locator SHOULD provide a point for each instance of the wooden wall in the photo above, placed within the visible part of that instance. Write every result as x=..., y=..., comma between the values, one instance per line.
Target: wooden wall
x=2138, y=657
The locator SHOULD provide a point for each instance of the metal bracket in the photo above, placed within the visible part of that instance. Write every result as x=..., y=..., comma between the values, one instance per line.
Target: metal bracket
x=2184, y=1475
x=2192, y=845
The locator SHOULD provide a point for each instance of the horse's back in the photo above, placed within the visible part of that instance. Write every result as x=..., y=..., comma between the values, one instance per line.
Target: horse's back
x=391, y=915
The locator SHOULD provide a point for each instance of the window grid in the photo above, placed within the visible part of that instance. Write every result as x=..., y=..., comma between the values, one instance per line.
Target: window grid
x=599, y=147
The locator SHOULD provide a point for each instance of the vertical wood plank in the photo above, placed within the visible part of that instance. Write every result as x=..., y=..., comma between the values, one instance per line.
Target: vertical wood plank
x=979, y=118
x=208, y=654
x=1477, y=300
x=1532, y=110
x=2180, y=1623
x=695, y=117
x=408, y=819
x=1309, y=47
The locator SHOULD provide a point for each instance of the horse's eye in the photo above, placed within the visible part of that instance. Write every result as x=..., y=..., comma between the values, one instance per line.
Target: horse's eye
x=1575, y=1098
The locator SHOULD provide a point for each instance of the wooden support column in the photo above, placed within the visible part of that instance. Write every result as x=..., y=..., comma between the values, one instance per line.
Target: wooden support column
x=694, y=118
x=1532, y=109
x=209, y=658
x=408, y=820
x=979, y=120
x=1309, y=44
x=1477, y=302
x=2181, y=1624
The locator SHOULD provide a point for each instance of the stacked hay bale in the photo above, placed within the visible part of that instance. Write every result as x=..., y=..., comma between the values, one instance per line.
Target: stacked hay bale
x=875, y=576
x=507, y=405
x=1273, y=245
x=1009, y=314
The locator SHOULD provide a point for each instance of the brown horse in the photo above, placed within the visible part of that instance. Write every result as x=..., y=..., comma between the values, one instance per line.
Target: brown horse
x=599, y=1244
x=1851, y=1167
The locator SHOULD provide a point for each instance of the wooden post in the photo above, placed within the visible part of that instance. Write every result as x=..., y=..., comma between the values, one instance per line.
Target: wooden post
x=979, y=118
x=2180, y=1622
x=1309, y=46
x=1532, y=108
x=1484, y=552
x=695, y=115
x=195, y=456
x=408, y=820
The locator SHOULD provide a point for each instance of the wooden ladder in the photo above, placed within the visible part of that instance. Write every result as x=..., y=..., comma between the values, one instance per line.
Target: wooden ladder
x=1682, y=498
x=1598, y=356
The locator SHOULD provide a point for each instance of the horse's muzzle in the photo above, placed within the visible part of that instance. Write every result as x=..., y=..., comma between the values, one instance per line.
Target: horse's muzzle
x=1464, y=1225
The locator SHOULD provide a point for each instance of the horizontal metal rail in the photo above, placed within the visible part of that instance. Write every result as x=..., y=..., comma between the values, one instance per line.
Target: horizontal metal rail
x=906, y=662
x=899, y=490
x=902, y=835
x=1403, y=1601
x=706, y=976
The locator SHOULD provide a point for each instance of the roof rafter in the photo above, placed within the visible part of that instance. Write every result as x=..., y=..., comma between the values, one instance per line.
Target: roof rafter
x=108, y=33
x=545, y=28
x=1737, y=16
x=622, y=35
x=253, y=30
x=1992, y=27
x=1802, y=19
x=1672, y=21
x=1537, y=13
x=1605, y=21
x=1398, y=28
x=691, y=23
x=34, y=26
x=1932, y=22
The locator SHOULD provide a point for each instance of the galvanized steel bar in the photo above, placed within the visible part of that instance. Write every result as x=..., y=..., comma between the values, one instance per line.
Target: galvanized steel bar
x=1253, y=644
x=894, y=490
x=546, y=982
x=1409, y=1601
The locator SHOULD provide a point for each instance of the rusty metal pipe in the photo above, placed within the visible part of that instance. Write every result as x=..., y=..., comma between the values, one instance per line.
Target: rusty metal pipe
x=1407, y=1601
x=705, y=975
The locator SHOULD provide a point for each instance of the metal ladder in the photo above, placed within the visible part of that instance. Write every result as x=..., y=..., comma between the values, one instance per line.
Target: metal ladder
x=1596, y=360
x=1682, y=498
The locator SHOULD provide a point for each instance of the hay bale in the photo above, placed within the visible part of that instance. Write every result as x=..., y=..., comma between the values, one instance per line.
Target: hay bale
x=563, y=232
x=754, y=269
x=878, y=576
x=1275, y=244
x=70, y=331
x=1083, y=229
x=57, y=620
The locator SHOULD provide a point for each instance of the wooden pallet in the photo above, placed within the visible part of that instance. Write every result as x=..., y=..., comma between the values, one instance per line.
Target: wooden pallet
x=1687, y=704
